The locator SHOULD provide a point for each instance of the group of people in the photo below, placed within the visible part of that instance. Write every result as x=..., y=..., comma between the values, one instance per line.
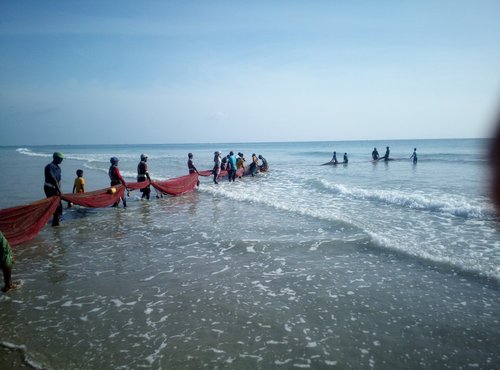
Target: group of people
x=376, y=157
x=232, y=164
x=335, y=161
x=52, y=187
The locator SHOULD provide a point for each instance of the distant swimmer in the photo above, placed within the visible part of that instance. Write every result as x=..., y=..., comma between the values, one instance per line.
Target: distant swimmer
x=345, y=158
x=375, y=154
x=414, y=156
x=334, y=158
x=386, y=155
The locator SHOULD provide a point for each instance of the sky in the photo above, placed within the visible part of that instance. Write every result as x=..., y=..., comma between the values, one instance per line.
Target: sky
x=153, y=72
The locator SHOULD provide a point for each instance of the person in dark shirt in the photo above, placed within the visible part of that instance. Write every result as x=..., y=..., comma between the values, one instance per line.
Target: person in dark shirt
x=264, y=166
x=334, y=158
x=116, y=178
x=191, y=167
x=414, y=156
x=375, y=154
x=52, y=184
x=217, y=166
x=224, y=163
x=143, y=175
x=345, y=158
x=386, y=155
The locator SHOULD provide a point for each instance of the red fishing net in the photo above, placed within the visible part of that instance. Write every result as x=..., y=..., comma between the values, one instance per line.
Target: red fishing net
x=137, y=185
x=177, y=186
x=23, y=223
x=96, y=199
x=206, y=173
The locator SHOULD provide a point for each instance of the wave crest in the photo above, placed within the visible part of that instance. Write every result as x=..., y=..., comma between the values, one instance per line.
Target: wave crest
x=450, y=204
x=27, y=151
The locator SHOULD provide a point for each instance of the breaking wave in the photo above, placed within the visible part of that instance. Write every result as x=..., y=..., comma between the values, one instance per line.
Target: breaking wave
x=450, y=204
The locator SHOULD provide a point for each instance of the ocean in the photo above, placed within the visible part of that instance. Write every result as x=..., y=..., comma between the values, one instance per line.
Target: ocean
x=369, y=265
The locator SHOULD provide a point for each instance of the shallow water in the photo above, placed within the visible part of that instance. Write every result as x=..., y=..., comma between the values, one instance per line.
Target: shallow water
x=364, y=266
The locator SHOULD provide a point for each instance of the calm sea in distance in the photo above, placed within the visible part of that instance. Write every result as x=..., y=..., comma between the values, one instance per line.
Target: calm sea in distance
x=369, y=265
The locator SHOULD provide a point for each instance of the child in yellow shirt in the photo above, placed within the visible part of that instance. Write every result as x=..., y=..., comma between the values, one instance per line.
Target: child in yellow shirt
x=79, y=186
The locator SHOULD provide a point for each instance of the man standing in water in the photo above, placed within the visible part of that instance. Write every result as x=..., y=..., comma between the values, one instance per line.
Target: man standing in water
x=191, y=167
x=116, y=178
x=414, y=156
x=231, y=172
x=386, y=155
x=375, y=154
x=217, y=166
x=334, y=158
x=52, y=183
x=143, y=175
x=264, y=166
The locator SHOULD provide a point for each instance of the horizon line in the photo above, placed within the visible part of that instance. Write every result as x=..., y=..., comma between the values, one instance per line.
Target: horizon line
x=247, y=142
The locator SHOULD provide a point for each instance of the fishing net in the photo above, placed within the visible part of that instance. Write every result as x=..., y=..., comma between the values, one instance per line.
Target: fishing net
x=177, y=186
x=137, y=185
x=96, y=199
x=23, y=223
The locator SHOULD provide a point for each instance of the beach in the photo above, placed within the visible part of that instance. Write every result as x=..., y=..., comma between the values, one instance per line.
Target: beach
x=368, y=265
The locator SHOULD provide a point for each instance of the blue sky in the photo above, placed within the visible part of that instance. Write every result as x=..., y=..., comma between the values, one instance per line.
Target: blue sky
x=96, y=72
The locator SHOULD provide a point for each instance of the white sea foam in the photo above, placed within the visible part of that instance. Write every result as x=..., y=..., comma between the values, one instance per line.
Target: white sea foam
x=12, y=345
x=26, y=151
x=446, y=203
x=220, y=271
x=117, y=302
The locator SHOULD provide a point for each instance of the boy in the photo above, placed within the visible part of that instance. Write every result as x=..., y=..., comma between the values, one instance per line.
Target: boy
x=79, y=186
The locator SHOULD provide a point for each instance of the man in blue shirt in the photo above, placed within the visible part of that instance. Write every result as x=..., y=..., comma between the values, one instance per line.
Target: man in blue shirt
x=231, y=173
x=52, y=183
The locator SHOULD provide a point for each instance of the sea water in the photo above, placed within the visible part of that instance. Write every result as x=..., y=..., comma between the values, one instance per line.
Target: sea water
x=364, y=265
